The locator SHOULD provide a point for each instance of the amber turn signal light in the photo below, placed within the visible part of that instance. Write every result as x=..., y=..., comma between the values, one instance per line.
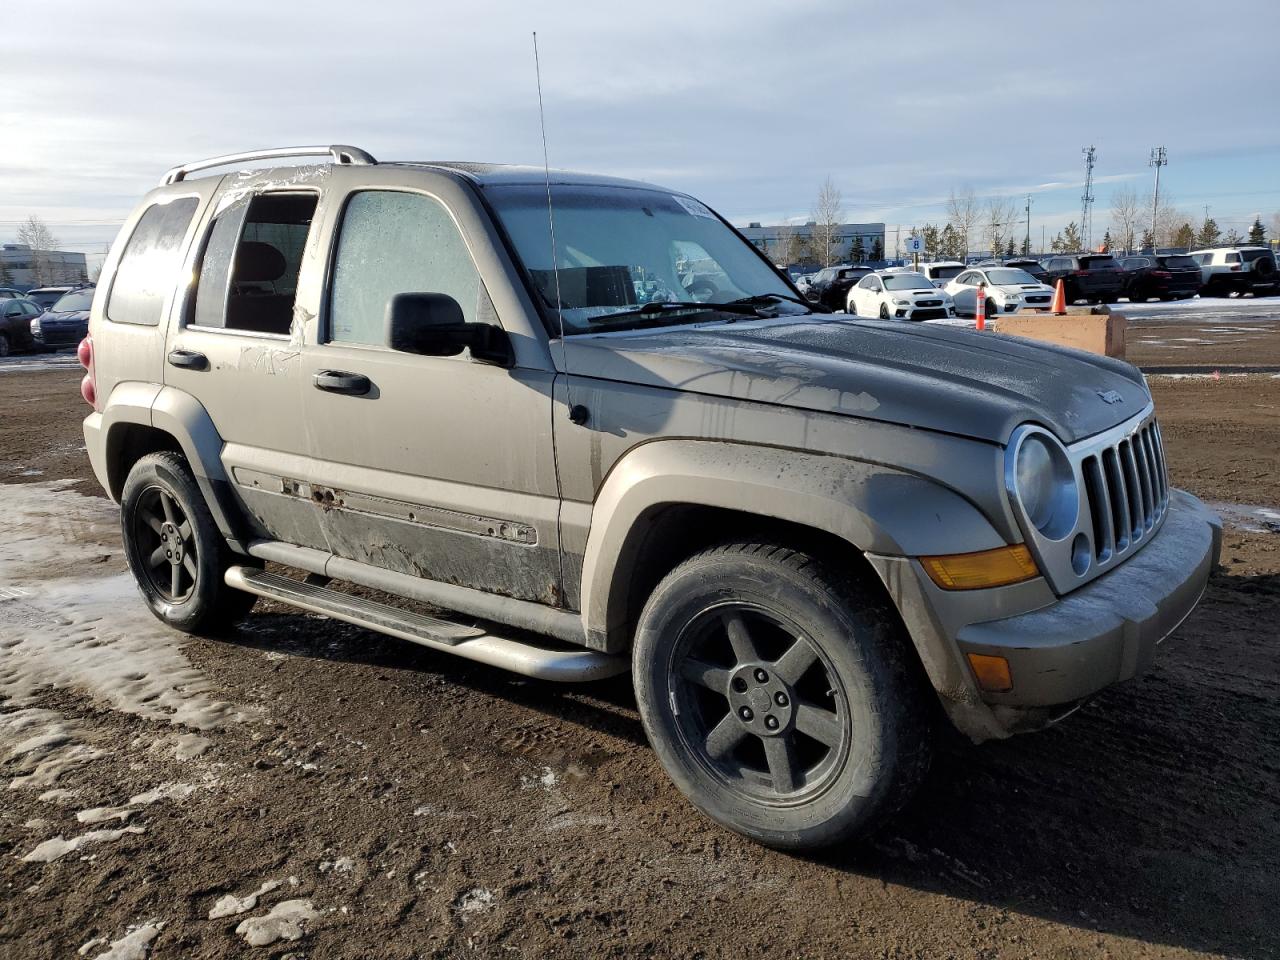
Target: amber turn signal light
x=992, y=672
x=986, y=568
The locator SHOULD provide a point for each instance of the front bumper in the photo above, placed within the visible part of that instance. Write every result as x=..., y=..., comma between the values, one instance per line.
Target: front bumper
x=1060, y=650
x=1106, y=631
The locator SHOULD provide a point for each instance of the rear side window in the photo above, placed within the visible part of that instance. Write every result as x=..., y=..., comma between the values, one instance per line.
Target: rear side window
x=391, y=243
x=1097, y=263
x=249, y=270
x=148, y=269
x=1233, y=258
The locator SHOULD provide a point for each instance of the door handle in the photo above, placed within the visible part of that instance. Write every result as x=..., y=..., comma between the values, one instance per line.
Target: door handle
x=188, y=359
x=339, y=381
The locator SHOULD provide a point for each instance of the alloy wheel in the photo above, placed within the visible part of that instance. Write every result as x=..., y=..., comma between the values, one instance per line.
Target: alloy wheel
x=166, y=544
x=759, y=705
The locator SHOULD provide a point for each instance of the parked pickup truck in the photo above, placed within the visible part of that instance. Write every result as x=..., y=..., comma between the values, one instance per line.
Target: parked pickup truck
x=809, y=537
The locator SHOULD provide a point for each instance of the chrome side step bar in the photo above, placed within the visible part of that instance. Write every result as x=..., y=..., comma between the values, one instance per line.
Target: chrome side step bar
x=559, y=663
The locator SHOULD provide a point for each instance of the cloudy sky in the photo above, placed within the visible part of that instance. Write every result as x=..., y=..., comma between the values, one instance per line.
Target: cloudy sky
x=746, y=104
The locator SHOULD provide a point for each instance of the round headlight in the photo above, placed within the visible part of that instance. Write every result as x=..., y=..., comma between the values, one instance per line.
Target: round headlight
x=1045, y=486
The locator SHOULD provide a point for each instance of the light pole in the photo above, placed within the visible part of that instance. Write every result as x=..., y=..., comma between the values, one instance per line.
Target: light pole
x=1158, y=160
x=1026, y=247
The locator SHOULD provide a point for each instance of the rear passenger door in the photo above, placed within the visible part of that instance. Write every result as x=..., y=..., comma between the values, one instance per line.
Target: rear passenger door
x=236, y=348
x=435, y=467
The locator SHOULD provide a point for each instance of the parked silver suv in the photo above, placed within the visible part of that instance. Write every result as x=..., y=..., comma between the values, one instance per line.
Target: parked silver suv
x=810, y=537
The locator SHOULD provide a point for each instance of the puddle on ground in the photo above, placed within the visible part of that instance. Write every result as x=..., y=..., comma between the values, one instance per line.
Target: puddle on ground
x=70, y=620
x=1248, y=518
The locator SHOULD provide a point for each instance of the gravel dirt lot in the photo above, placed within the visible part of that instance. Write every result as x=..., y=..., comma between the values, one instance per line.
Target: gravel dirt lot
x=380, y=800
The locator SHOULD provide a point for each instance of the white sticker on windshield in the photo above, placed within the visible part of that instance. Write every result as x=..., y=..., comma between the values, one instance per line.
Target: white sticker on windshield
x=693, y=207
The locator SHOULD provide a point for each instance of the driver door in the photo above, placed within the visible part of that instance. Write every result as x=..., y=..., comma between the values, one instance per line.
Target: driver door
x=866, y=296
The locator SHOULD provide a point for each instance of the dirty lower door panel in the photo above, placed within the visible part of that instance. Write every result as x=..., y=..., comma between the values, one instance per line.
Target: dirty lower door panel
x=443, y=470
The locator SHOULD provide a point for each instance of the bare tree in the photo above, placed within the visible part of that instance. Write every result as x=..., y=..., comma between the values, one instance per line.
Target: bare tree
x=828, y=211
x=36, y=234
x=1125, y=218
x=997, y=220
x=785, y=249
x=1168, y=219
x=962, y=215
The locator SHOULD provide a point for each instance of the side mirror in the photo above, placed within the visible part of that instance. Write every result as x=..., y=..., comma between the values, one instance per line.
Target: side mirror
x=432, y=325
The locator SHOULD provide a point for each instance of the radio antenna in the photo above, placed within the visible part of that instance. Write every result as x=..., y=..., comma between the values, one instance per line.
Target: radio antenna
x=577, y=414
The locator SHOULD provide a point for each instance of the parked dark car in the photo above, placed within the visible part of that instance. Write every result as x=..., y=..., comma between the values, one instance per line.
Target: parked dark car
x=8, y=293
x=1033, y=267
x=66, y=323
x=16, y=314
x=1167, y=276
x=1095, y=277
x=830, y=287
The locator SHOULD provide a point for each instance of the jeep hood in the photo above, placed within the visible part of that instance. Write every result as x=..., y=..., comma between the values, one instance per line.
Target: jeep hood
x=959, y=381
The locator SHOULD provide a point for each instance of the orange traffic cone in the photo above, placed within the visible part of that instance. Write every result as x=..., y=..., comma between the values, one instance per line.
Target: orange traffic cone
x=980, y=309
x=1059, y=306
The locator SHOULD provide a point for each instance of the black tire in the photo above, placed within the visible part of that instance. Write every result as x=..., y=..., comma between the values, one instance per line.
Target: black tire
x=799, y=646
x=991, y=309
x=175, y=551
x=884, y=312
x=5, y=347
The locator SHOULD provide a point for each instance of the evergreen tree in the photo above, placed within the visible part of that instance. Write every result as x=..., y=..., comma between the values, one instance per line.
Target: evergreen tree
x=1057, y=244
x=1258, y=233
x=1148, y=240
x=1026, y=246
x=859, y=252
x=1011, y=249
x=1071, y=240
x=949, y=243
x=1209, y=233
x=1106, y=242
x=1185, y=237
x=932, y=242
x=877, y=249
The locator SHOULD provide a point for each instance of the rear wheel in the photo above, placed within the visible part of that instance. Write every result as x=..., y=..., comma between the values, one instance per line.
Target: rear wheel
x=778, y=695
x=175, y=551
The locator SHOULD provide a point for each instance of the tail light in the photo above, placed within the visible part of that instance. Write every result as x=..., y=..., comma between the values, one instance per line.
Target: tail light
x=89, y=384
x=1079, y=273
x=1235, y=266
x=1162, y=274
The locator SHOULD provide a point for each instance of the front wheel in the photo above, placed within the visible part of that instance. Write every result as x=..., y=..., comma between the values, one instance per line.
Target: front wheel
x=175, y=551
x=778, y=695
x=884, y=312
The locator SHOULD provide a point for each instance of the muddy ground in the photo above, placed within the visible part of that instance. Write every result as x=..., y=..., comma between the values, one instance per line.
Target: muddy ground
x=413, y=805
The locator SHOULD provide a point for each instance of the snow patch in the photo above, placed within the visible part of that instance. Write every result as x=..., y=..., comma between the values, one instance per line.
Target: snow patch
x=231, y=905
x=547, y=780
x=283, y=922
x=191, y=745
x=134, y=945
x=102, y=814
x=57, y=848
x=476, y=900
x=165, y=791
x=341, y=865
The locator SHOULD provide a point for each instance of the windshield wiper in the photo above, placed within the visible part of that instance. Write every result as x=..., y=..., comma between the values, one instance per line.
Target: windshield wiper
x=662, y=307
x=759, y=298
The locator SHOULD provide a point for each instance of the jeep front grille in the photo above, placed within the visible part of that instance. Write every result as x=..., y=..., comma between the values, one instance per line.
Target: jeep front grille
x=1122, y=491
x=1126, y=490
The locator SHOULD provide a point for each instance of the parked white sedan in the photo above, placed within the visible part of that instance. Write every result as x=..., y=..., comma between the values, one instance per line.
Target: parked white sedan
x=1008, y=290
x=899, y=295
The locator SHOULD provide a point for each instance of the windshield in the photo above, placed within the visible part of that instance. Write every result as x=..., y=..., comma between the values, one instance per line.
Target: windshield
x=618, y=248
x=76, y=300
x=1010, y=275
x=907, y=281
x=46, y=298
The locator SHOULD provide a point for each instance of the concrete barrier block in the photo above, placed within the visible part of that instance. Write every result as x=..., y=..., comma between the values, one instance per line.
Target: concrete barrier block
x=1102, y=333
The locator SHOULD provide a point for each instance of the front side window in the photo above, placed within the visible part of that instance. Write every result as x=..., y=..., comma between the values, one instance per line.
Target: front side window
x=148, y=269
x=251, y=261
x=612, y=241
x=392, y=242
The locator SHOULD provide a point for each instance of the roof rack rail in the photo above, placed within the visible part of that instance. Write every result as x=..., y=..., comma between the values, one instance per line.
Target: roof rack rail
x=337, y=152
